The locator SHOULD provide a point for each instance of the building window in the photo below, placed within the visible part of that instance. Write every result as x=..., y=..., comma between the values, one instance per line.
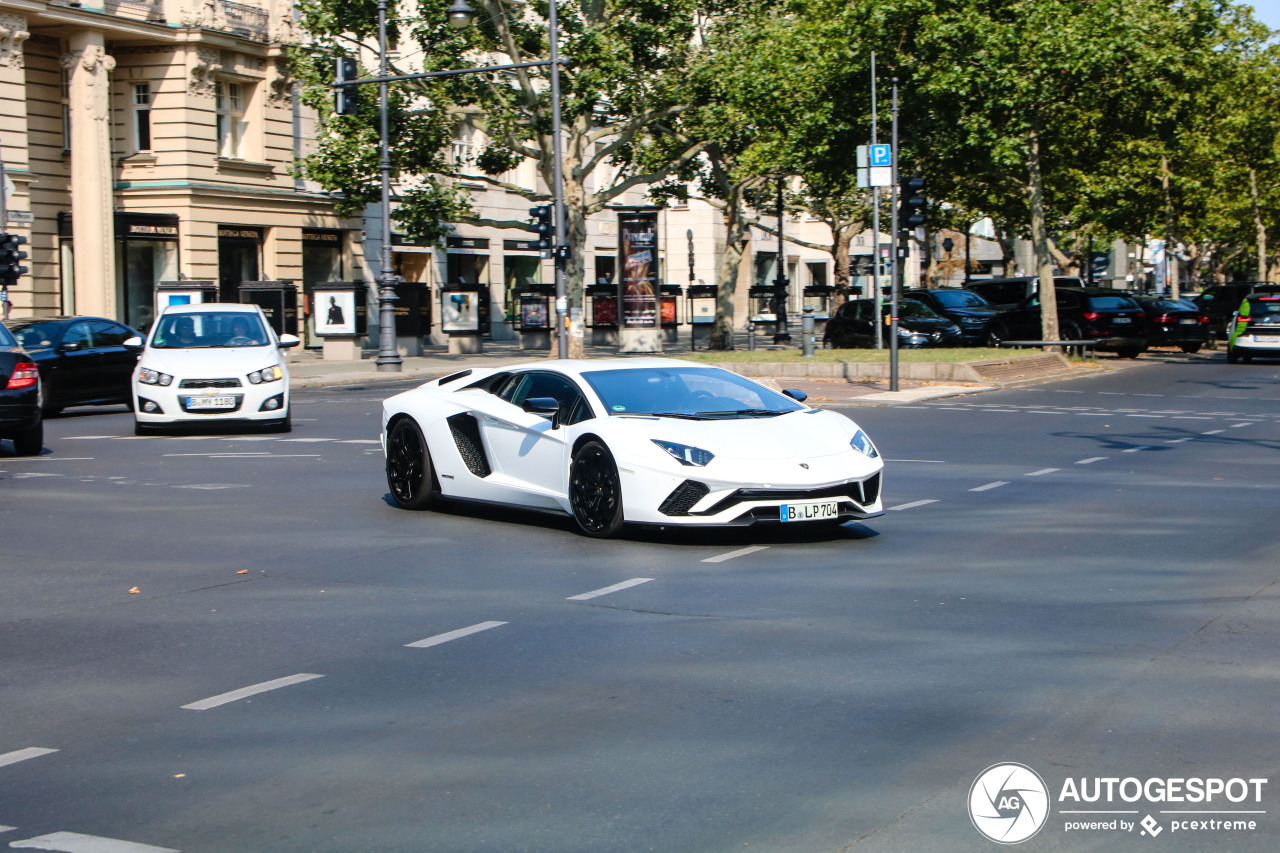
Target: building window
x=230, y=126
x=142, y=116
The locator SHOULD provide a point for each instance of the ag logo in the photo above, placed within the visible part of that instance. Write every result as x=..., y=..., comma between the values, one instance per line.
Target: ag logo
x=1008, y=803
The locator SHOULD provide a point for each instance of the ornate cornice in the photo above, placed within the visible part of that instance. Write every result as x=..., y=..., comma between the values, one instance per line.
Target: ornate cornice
x=13, y=32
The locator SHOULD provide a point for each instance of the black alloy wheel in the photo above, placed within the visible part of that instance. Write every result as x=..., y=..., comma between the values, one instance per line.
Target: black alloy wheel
x=997, y=333
x=1190, y=349
x=595, y=492
x=410, y=475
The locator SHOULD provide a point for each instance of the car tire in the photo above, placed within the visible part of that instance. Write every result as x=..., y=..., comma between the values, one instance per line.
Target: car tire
x=1129, y=352
x=30, y=441
x=410, y=475
x=1232, y=355
x=595, y=491
x=997, y=333
x=1071, y=332
x=1190, y=349
x=1246, y=357
x=285, y=425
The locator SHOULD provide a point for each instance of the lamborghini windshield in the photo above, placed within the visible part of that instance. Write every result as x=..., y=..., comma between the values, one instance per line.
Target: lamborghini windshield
x=703, y=393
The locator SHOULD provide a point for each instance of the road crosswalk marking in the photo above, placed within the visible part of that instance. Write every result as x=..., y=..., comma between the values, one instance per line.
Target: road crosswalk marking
x=74, y=842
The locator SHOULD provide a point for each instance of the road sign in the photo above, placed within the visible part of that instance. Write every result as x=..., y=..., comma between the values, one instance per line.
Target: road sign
x=875, y=166
x=881, y=155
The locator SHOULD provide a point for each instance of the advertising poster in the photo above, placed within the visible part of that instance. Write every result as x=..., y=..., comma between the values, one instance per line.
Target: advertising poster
x=604, y=311
x=461, y=311
x=533, y=312
x=669, y=310
x=638, y=258
x=335, y=313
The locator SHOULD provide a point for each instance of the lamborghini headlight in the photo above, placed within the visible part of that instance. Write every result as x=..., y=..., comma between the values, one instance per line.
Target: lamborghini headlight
x=861, y=443
x=686, y=455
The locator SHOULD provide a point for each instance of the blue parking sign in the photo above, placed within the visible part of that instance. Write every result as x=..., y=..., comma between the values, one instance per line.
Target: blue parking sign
x=881, y=155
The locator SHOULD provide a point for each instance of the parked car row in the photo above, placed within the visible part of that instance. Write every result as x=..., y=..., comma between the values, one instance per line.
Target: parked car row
x=199, y=364
x=1105, y=319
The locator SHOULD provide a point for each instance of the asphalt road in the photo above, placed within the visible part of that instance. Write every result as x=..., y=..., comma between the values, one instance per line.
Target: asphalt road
x=1078, y=576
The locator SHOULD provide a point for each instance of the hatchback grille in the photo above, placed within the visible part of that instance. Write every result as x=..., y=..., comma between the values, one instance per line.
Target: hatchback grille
x=210, y=383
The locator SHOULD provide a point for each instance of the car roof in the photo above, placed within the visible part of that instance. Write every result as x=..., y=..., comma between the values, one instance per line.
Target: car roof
x=578, y=367
x=212, y=308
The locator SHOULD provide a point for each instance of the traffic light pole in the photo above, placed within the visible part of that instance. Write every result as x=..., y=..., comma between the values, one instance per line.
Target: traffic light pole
x=4, y=227
x=389, y=360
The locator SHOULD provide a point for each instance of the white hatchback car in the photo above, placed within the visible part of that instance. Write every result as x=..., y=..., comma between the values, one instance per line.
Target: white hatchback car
x=211, y=363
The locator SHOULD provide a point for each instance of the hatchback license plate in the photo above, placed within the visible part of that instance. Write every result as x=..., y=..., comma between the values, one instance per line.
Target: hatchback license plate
x=211, y=402
x=1188, y=321
x=810, y=511
x=1266, y=339
x=1121, y=320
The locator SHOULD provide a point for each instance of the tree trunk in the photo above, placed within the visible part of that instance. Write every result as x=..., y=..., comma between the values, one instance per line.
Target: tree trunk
x=1170, y=261
x=735, y=243
x=1258, y=224
x=1040, y=240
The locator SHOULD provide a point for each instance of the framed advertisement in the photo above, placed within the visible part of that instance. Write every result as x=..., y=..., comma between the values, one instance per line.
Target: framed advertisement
x=335, y=312
x=638, y=258
x=533, y=312
x=460, y=311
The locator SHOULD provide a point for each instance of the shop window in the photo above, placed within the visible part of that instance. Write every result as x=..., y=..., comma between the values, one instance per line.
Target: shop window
x=142, y=117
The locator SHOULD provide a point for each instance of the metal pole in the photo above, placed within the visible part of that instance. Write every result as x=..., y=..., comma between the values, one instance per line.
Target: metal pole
x=899, y=247
x=968, y=229
x=780, y=332
x=557, y=191
x=876, y=269
x=388, y=355
x=4, y=228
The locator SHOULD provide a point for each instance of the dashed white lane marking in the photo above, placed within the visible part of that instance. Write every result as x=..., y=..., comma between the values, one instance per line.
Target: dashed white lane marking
x=1191, y=418
x=86, y=437
x=1144, y=416
x=1214, y=432
x=251, y=690
x=1095, y=414
x=360, y=441
x=921, y=461
x=997, y=484
x=741, y=552
x=74, y=842
x=1237, y=426
x=1043, y=471
x=305, y=439
x=26, y=475
x=1179, y=440
x=214, y=486
x=7, y=828
x=452, y=635
x=23, y=754
x=911, y=505
x=608, y=589
x=10, y=461
x=1090, y=460
x=1136, y=449
x=231, y=454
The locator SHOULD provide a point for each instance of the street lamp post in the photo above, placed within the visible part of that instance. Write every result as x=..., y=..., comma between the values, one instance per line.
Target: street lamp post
x=781, y=333
x=388, y=354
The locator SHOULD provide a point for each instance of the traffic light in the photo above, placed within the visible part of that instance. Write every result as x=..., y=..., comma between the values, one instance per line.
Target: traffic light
x=911, y=203
x=346, y=99
x=11, y=258
x=546, y=229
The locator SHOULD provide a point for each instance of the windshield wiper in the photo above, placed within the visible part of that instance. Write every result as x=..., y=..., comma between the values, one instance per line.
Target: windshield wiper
x=749, y=413
x=683, y=415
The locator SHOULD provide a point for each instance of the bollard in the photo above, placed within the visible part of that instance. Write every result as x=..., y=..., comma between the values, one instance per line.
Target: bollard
x=806, y=332
x=751, y=337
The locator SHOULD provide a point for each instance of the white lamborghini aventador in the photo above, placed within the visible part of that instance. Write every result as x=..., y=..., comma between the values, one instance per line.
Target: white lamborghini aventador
x=632, y=440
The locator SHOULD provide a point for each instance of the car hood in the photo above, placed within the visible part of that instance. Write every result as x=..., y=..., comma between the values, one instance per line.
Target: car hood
x=808, y=433
x=211, y=362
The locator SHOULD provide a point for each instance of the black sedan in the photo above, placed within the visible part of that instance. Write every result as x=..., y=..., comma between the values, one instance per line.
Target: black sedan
x=855, y=325
x=963, y=307
x=1174, y=323
x=1108, y=318
x=20, y=417
x=83, y=360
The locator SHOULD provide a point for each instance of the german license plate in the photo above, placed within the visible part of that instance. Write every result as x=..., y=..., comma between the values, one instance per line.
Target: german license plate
x=810, y=511
x=1188, y=321
x=1121, y=320
x=211, y=402
x=1266, y=339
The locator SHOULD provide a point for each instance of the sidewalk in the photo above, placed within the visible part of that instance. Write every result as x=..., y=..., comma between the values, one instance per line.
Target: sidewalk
x=308, y=370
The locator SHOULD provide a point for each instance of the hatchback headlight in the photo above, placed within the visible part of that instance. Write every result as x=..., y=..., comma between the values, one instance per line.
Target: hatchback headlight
x=147, y=376
x=861, y=443
x=266, y=374
x=686, y=455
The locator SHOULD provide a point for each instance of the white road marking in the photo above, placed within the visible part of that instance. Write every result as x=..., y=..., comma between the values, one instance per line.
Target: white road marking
x=608, y=589
x=1191, y=418
x=1135, y=449
x=7, y=828
x=306, y=439
x=1179, y=440
x=23, y=754
x=251, y=690
x=1237, y=426
x=741, y=552
x=1213, y=432
x=1095, y=414
x=214, y=486
x=49, y=459
x=1090, y=460
x=452, y=635
x=74, y=842
x=231, y=454
x=997, y=484
x=360, y=441
x=911, y=505
x=251, y=438
x=191, y=437
x=1144, y=416
x=921, y=461
x=1043, y=471
x=85, y=437
x=26, y=475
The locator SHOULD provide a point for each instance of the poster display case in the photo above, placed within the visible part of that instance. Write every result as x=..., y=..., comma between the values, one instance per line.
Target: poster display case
x=278, y=301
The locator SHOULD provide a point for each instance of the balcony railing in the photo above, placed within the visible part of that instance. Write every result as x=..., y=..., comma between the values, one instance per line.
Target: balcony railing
x=248, y=22
x=137, y=10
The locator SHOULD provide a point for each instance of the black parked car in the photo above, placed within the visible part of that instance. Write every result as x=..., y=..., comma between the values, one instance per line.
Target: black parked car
x=963, y=307
x=855, y=324
x=1099, y=314
x=1007, y=293
x=1174, y=323
x=20, y=417
x=83, y=360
